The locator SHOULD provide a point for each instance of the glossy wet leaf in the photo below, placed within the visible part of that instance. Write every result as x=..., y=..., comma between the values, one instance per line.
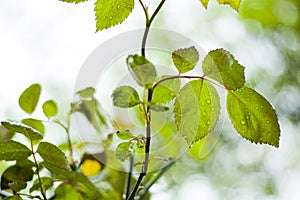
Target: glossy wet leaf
x=29, y=98
x=35, y=123
x=52, y=154
x=235, y=4
x=142, y=70
x=87, y=92
x=50, y=108
x=253, y=116
x=185, y=59
x=112, y=12
x=221, y=66
x=125, y=97
x=12, y=150
x=165, y=91
x=124, y=135
x=123, y=151
x=27, y=131
x=196, y=110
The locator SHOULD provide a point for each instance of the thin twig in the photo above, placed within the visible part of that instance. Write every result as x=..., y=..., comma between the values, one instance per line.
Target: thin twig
x=129, y=176
x=148, y=186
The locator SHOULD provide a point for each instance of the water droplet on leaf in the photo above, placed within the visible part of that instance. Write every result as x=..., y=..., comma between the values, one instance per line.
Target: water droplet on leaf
x=243, y=122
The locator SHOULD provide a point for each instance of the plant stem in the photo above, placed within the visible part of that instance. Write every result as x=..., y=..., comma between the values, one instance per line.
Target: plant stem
x=148, y=111
x=129, y=176
x=148, y=186
x=38, y=172
x=67, y=130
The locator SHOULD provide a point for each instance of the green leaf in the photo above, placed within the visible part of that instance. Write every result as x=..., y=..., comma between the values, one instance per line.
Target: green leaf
x=17, y=185
x=185, y=59
x=28, y=132
x=143, y=71
x=6, y=134
x=35, y=123
x=15, y=197
x=86, y=187
x=50, y=108
x=125, y=97
x=91, y=110
x=73, y=1
x=204, y=3
x=196, y=109
x=46, y=184
x=235, y=4
x=65, y=191
x=58, y=171
x=253, y=116
x=87, y=92
x=15, y=173
x=29, y=98
x=159, y=108
x=124, y=135
x=53, y=155
x=221, y=66
x=165, y=91
x=123, y=151
x=12, y=150
x=112, y=12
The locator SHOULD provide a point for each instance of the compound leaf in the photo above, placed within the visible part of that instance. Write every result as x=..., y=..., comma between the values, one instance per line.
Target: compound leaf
x=29, y=98
x=235, y=4
x=196, y=110
x=30, y=133
x=50, y=108
x=142, y=70
x=253, y=116
x=125, y=97
x=12, y=150
x=112, y=12
x=165, y=91
x=221, y=66
x=185, y=59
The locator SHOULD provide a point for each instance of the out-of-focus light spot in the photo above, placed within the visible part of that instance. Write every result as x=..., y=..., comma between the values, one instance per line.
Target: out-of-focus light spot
x=286, y=12
x=196, y=187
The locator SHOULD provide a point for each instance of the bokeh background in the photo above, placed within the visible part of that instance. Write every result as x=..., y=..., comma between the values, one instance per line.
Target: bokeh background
x=47, y=42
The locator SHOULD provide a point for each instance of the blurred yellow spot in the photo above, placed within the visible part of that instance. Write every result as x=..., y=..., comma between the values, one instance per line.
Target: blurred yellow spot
x=90, y=167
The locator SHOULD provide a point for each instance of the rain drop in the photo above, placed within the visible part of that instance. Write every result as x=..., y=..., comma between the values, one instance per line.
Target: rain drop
x=256, y=108
x=208, y=123
x=243, y=122
x=208, y=101
x=268, y=122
